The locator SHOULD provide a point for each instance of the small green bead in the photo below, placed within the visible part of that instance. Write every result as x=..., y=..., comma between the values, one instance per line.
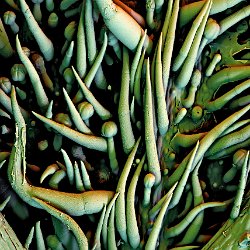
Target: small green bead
x=53, y=20
x=197, y=113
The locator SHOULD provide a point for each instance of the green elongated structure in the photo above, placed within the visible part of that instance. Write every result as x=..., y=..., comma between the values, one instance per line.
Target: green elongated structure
x=235, y=126
x=40, y=243
x=195, y=82
x=217, y=80
x=56, y=178
x=85, y=177
x=97, y=238
x=241, y=101
x=67, y=58
x=183, y=181
x=6, y=102
x=40, y=65
x=167, y=20
x=186, y=71
x=188, y=204
x=42, y=40
x=92, y=72
x=180, y=115
x=122, y=25
x=183, y=140
x=225, y=152
x=111, y=230
x=89, y=141
x=152, y=156
x=139, y=19
x=138, y=79
x=150, y=10
x=169, y=43
x=216, y=59
x=178, y=61
x=105, y=221
x=69, y=167
x=189, y=11
x=68, y=221
x=51, y=169
x=226, y=75
x=12, y=4
x=241, y=189
x=152, y=239
x=100, y=110
x=21, y=93
x=4, y=203
x=62, y=232
x=29, y=239
x=81, y=54
x=133, y=228
x=180, y=227
x=41, y=97
x=234, y=18
x=65, y=4
x=91, y=44
x=120, y=211
x=229, y=140
x=76, y=117
x=78, y=179
x=161, y=106
x=136, y=60
x=5, y=47
x=127, y=134
x=195, y=226
x=90, y=32
x=53, y=242
x=224, y=99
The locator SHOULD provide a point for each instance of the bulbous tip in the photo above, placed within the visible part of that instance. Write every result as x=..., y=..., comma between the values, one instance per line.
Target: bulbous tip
x=64, y=119
x=212, y=29
x=109, y=129
x=9, y=17
x=239, y=157
x=86, y=110
x=149, y=180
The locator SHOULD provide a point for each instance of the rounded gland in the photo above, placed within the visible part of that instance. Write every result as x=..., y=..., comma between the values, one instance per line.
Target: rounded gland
x=64, y=119
x=18, y=72
x=149, y=180
x=86, y=110
x=9, y=17
x=5, y=84
x=212, y=29
x=239, y=157
x=38, y=61
x=109, y=129
x=70, y=30
x=197, y=113
x=53, y=20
